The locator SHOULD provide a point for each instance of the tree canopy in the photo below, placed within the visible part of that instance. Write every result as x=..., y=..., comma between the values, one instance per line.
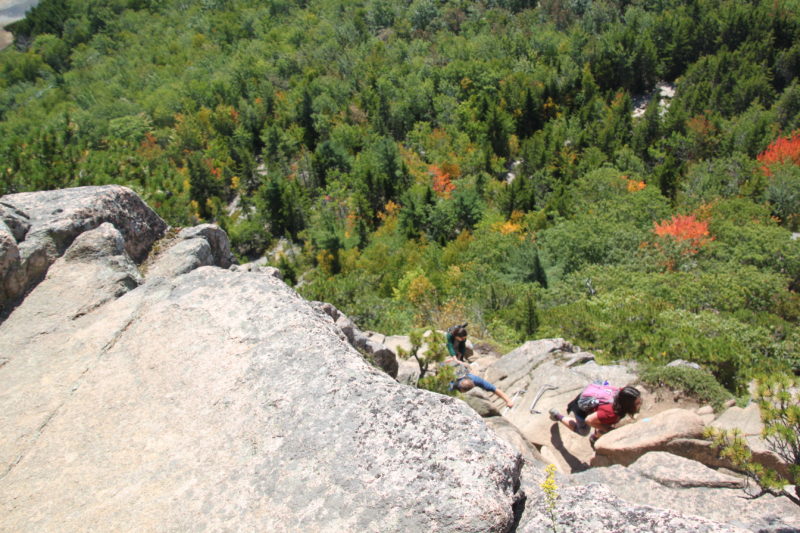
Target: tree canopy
x=512, y=164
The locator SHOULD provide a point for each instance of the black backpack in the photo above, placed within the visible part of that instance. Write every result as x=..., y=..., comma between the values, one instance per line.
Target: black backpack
x=451, y=329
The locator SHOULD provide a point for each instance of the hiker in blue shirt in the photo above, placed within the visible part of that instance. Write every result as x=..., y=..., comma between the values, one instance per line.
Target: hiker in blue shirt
x=466, y=381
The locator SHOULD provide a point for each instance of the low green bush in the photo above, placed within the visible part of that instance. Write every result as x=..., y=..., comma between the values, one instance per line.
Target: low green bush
x=698, y=384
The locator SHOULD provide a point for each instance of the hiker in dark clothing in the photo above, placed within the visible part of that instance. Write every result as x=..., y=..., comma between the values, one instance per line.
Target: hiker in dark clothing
x=599, y=407
x=457, y=342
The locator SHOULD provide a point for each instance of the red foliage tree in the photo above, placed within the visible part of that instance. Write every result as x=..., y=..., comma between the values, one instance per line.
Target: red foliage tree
x=685, y=228
x=782, y=150
x=680, y=238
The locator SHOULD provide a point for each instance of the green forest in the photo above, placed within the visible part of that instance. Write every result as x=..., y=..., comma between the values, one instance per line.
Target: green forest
x=518, y=165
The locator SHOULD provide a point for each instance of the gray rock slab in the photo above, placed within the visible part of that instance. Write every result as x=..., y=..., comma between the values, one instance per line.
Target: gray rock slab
x=748, y=421
x=588, y=506
x=702, y=451
x=745, y=419
x=518, y=364
x=483, y=362
x=619, y=375
x=220, y=400
x=47, y=342
x=511, y=434
x=679, y=472
x=722, y=505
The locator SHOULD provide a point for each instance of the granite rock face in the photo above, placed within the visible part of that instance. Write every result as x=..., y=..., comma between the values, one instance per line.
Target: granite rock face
x=253, y=416
x=555, y=371
x=663, y=480
x=221, y=400
x=381, y=355
x=189, y=394
x=590, y=506
x=37, y=227
x=46, y=346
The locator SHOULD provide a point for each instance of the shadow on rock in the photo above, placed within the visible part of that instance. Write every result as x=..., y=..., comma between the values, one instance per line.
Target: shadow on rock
x=574, y=463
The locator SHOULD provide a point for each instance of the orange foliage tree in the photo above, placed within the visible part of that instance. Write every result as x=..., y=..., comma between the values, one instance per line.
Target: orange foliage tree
x=442, y=180
x=782, y=150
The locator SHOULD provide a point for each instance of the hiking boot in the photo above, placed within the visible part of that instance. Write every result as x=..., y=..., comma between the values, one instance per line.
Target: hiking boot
x=554, y=414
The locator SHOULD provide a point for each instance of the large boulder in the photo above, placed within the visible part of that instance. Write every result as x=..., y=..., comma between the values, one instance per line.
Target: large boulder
x=43, y=224
x=626, y=444
x=190, y=248
x=253, y=415
x=674, y=471
x=217, y=240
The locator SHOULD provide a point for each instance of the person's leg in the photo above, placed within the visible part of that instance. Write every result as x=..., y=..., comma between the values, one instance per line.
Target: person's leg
x=571, y=424
x=578, y=425
x=558, y=417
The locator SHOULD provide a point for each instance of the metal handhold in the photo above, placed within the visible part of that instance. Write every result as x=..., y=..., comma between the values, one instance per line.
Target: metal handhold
x=539, y=395
x=521, y=391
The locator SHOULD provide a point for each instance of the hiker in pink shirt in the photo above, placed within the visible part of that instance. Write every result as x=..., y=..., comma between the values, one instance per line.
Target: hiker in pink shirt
x=599, y=406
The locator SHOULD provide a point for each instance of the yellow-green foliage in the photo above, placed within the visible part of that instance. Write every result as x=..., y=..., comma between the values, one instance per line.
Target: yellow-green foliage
x=439, y=382
x=435, y=350
x=550, y=489
x=779, y=400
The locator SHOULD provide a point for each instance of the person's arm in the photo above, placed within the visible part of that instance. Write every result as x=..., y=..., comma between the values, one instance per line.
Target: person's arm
x=599, y=425
x=453, y=361
x=504, y=397
x=450, y=348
